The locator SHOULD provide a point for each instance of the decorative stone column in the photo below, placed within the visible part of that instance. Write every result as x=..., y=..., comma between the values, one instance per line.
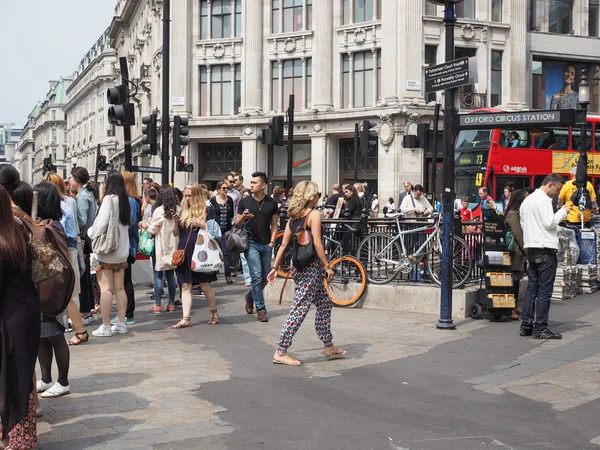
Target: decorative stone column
x=181, y=42
x=410, y=58
x=253, y=57
x=322, y=64
x=389, y=52
x=517, y=56
x=254, y=154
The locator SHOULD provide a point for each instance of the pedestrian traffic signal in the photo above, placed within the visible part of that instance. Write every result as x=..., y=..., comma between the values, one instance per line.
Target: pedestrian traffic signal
x=149, y=135
x=122, y=112
x=276, y=124
x=266, y=136
x=102, y=164
x=182, y=166
x=368, y=138
x=180, y=134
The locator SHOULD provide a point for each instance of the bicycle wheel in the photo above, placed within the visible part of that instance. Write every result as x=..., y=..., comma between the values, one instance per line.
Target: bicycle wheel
x=287, y=256
x=348, y=283
x=380, y=257
x=462, y=263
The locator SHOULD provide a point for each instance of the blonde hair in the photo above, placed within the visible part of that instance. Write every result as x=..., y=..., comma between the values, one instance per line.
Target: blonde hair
x=130, y=185
x=197, y=210
x=304, y=193
x=57, y=181
x=360, y=187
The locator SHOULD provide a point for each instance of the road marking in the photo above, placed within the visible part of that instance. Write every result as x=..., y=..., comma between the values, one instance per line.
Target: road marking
x=596, y=440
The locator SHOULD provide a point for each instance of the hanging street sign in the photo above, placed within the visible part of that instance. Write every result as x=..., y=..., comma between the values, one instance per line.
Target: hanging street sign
x=147, y=169
x=450, y=75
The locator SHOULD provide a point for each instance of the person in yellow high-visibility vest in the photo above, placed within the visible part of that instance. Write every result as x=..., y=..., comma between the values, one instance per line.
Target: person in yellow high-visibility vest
x=564, y=198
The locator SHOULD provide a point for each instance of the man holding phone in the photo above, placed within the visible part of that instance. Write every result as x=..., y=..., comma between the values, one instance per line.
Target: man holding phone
x=258, y=213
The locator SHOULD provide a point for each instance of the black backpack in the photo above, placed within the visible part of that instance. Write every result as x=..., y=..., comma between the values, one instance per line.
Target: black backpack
x=303, y=248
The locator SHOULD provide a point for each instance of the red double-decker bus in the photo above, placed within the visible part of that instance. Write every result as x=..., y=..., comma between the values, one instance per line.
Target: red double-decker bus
x=494, y=157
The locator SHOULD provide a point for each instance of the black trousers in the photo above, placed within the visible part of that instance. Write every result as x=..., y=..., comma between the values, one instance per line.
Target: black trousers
x=130, y=293
x=86, y=296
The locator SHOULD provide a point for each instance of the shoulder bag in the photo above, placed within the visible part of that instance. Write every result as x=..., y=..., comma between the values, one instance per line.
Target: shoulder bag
x=237, y=240
x=108, y=242
x=509, y=238
x=179, y=255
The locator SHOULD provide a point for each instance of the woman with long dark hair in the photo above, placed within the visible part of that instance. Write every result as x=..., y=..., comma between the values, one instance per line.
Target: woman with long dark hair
x=135, y=205
x=161, y=227
x=86, y=212
x=512, y=220
x=52, y=337
x=20, y=333
x=110, y=267
x=353, y=208
x=223, y=205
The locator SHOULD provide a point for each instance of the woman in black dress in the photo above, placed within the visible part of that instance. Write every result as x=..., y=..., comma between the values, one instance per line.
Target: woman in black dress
x=20, y=333
x=354, y=204
x=194, y=217
x=223, y=206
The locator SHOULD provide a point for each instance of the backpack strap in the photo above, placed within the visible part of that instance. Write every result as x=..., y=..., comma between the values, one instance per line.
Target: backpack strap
x=25, y=219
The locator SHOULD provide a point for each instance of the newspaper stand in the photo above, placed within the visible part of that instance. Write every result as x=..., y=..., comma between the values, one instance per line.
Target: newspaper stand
x=498, y=299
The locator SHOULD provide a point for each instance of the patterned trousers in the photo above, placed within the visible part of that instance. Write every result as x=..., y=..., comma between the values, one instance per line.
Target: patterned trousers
x=310, y=289
x=23, y=436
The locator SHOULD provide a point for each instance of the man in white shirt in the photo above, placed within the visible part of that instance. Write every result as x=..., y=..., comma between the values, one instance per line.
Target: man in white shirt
x=540, y=236
x=415, y=204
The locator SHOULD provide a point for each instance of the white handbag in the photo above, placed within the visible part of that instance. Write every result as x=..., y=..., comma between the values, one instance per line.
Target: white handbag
x=207, y=256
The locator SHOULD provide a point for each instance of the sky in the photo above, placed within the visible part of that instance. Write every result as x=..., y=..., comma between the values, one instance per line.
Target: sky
x=42, y=40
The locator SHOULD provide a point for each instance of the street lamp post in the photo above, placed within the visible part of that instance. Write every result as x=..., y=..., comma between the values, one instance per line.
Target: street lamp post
x=584, y=101
x=448, y=193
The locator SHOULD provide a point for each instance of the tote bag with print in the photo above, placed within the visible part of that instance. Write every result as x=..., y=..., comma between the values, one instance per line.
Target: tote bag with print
x=207, y=256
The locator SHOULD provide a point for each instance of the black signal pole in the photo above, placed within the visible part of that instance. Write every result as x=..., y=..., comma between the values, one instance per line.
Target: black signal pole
x=126, y=128
x=448, y=194
x=436, y=126
x=356, y=141
x=290, y=146
x=166, y=61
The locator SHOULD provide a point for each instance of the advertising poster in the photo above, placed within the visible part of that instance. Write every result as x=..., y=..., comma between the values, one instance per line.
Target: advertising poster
x=562, y=84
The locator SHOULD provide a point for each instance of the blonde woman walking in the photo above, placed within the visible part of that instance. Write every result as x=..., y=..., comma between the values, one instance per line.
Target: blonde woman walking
x=194, y=216
x=310, y=287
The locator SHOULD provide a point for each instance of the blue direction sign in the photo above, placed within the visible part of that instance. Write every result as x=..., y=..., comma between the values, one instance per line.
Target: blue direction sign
x=147, y=169
x=451, y=74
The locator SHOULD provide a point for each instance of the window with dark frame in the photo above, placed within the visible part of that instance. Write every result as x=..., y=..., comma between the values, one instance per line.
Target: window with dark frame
x=363, y=74
x=292, y=81
x=221, y=16
x=561, y=16
x=431, y=60
x=465, y=9
x=593, y=18
x=430, y=9
x=221, y=90
x=364, y=11
x=496, y=10
x=496, y=91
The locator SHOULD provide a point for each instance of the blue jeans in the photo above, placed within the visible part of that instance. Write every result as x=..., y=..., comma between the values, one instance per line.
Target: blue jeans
x=541, y=272
x=158, y=285
x=259, y=263
x=245, y=269
x=226, y=258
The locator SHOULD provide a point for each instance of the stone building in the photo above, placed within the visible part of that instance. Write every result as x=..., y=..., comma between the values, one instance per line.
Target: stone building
x=234, y=64
x=10, y=134
x=87, y=125
x=24, y=158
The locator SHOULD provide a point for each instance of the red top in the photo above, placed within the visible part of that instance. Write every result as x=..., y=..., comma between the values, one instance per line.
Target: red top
x=466, y=215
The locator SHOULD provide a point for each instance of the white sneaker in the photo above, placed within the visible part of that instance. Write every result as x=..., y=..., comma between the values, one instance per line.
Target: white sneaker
x=114, y=320
x=56, y=391
x=119, y=328
x=102, y=331
x=89, y=319
x=41, y=386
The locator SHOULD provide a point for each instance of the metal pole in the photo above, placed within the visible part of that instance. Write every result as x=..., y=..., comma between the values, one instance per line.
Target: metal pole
x=290, y=146
x=97, y=156
x=126, y=128
x=166, y=50
x=356, y=152
x=448, y=194
x=436, y=126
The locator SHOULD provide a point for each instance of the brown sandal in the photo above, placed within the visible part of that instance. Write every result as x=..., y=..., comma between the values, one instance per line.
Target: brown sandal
x=337, y=353
x=286, y=360
x=215, y=318
x=183, y=323
x=82, y=338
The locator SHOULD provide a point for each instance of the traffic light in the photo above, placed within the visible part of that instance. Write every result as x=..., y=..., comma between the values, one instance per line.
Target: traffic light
x=149, y=135
x=266, y=136
x=182, y=166
x=368, y=138
x=122, y=112
x=102, y=164
x=276, y=124
x=180, y=134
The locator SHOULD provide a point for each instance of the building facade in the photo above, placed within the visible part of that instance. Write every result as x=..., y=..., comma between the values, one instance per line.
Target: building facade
x=234, y=64
x=50, y=130
x=10, y=134
x=88, y=129
x=24, y=157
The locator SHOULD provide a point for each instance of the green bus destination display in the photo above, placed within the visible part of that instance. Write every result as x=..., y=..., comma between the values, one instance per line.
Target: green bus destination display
x=471, y=159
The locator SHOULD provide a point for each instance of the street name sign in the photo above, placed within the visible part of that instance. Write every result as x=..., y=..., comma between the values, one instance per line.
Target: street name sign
x=147, y=169
x=451, y=74
x=517, y=120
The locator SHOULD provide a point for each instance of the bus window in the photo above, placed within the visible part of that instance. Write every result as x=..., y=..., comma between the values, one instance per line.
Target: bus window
x=465, y=185
x=473, y=139
x=514, y=139
x=519, y=182
x=577, y=138
x=598, y=137
x=553, y=138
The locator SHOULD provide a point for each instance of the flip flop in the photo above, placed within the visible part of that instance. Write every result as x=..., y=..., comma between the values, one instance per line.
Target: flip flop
x=287, y=360
x=337, y=353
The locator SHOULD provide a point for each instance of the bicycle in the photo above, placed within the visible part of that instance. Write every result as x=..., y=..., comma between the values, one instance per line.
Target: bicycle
x=349, y=277
x=384, y=256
